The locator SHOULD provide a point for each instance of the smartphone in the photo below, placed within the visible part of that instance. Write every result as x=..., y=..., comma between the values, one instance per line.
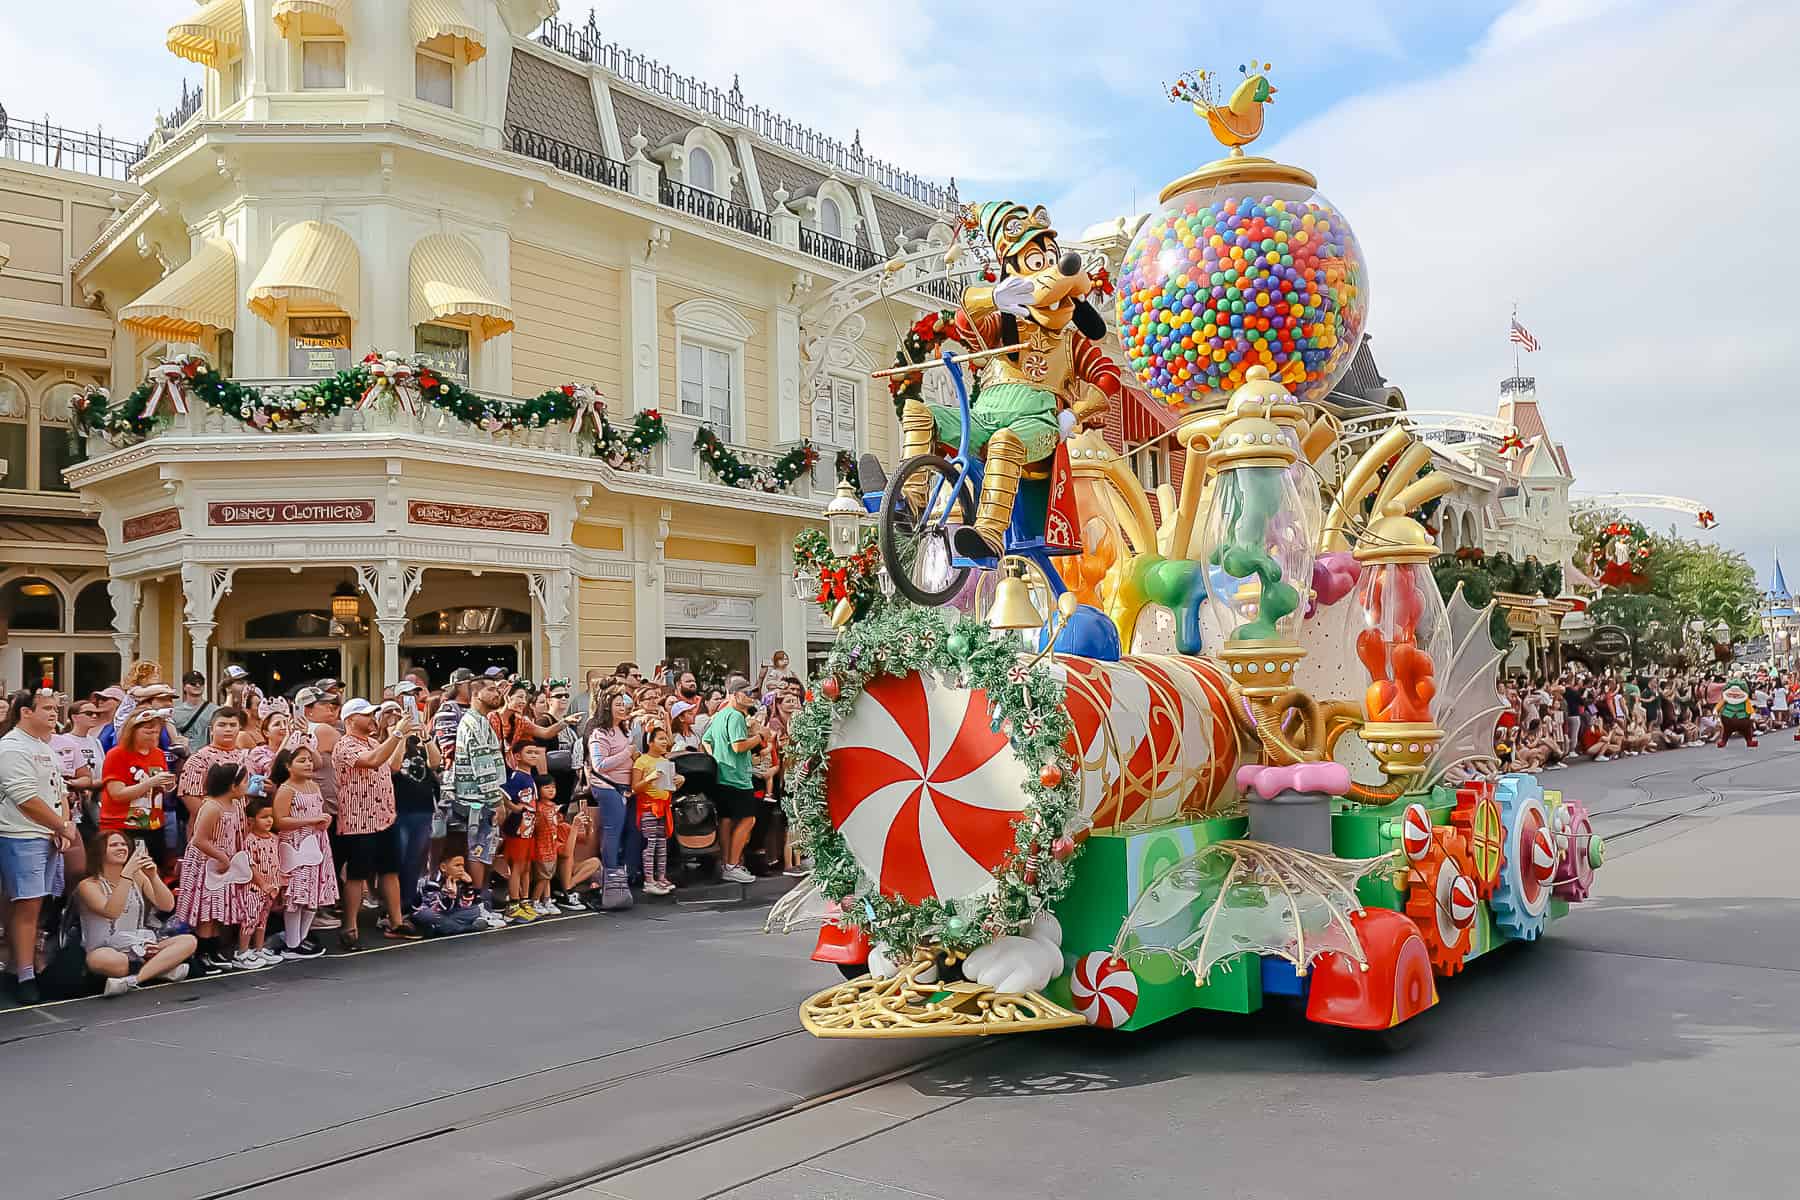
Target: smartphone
x=410, y=702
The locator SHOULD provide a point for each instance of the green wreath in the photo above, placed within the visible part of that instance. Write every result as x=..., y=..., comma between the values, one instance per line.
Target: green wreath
x=733, y=471
x=1027, y=704
x=856, y=578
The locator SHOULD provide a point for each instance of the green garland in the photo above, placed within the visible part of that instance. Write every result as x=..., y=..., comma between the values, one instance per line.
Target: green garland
x=124, y=422
x=1027, y=702
x=733, y=471
x=846, y=469
x=922, y=342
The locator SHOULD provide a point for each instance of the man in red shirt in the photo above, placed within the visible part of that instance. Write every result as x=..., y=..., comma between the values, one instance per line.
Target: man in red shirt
x=365, y=817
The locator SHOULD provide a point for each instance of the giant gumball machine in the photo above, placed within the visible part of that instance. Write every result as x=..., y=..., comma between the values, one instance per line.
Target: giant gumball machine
x=1018, y=826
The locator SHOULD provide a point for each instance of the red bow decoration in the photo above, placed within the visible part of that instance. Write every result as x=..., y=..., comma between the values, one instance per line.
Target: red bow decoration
x=168, y=379
x=834, y=584
x=1511, y=442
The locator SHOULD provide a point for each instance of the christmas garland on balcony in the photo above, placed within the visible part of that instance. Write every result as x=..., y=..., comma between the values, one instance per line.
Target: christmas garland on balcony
x=393, y=381
x=1025, y=703
x=733, y=471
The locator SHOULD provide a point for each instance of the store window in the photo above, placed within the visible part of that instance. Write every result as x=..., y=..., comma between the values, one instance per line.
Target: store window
x=712, y=660
x=33, y=604
x=322, y=63
x=434, y=79
x=318, y=346
x=834, y=412
x=58, y=448
x=445, y=347
x=700, y=170
x=468, y=622
x=15, y=435
x=708, y=385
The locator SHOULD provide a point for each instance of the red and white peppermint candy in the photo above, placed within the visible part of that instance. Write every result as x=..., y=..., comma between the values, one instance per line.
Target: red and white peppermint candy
x=923, y=790
x=1462, y=901
x=1415, y=831
x=1105, y=990
x=1543, y=856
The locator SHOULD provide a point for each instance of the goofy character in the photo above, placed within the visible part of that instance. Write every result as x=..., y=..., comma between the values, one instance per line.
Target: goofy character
x=1040, y=304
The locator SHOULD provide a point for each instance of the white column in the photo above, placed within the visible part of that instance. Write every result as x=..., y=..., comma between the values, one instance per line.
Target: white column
x=792, y=610
x=642, y=353
x=202, y=587
x=124, y=593
x=652, y=588
x=391, y=586
x=551, y=591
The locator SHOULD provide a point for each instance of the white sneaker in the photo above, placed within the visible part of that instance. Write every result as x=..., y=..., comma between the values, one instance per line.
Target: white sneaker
x=270, y=957
x=736, y=874
x=546, y=909
x=249, y=960
x=371, y=903
x=178, y=974
x=118, y=987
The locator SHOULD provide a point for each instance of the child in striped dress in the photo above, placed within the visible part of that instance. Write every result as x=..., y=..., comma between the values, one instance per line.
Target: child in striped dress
x=257, y=895
x=309, y=880
x=213, y=845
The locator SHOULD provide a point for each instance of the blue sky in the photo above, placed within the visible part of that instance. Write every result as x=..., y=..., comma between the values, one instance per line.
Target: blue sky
x=1622, y=169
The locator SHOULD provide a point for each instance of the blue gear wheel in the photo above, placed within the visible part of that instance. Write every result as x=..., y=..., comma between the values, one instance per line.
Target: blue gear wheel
x=1520, y=907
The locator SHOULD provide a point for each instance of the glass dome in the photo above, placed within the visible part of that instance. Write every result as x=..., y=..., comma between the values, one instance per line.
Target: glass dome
x=1244, y=262
x=1397, y=623
x=1260, y=556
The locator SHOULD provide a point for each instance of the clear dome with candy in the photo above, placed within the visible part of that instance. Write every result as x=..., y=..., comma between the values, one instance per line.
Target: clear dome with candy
x=1244, y=263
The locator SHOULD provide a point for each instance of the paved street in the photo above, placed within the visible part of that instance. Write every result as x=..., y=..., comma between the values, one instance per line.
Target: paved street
x=1646, y=1049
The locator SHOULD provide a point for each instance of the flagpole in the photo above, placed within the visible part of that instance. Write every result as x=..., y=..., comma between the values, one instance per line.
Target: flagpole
x=1513, y=340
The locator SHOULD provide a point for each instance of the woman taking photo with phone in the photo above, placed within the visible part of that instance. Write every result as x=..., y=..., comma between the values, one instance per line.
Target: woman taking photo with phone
x=116, y=899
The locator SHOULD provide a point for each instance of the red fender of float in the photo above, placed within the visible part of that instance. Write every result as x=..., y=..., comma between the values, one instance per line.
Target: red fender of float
x=1397, y=986
x=848, y=947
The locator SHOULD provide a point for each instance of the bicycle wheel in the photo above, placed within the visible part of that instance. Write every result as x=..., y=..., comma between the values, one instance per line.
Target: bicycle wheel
x=916, y=549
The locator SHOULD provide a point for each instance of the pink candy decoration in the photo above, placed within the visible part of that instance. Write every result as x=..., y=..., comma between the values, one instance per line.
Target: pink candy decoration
x=1331, y=778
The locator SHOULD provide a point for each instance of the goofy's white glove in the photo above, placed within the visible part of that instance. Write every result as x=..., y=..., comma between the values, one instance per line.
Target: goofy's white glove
x=1014, y=294
x=1019, y=963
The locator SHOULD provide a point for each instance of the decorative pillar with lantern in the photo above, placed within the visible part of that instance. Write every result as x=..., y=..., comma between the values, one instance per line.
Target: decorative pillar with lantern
x=841, y=570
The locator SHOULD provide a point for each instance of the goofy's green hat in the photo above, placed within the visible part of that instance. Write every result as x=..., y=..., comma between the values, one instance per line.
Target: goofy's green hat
x=1011, y=227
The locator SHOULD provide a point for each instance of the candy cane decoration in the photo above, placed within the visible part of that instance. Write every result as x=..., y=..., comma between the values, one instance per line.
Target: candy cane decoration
x=168, y=378
x=392, y=377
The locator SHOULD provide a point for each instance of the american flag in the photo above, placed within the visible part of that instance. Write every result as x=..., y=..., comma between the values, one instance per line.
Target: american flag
x=1521, y=336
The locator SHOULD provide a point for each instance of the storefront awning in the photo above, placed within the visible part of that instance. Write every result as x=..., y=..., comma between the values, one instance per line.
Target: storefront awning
x=331, y=16
x=447, y=281
x=197, y=297
x=313, y=264
x=435, y=19
x=212, y=36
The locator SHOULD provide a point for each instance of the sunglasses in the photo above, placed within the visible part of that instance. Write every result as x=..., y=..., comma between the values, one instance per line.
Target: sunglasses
x=559, y=695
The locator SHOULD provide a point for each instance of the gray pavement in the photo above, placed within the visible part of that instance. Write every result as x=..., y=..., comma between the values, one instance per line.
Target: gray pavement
x=1646, y=1048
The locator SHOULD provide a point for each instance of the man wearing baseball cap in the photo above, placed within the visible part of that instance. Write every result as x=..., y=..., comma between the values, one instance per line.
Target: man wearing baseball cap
x=730, y=737
x=366, y=815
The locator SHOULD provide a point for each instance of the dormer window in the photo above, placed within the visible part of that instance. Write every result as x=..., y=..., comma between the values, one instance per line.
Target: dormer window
x=831, y=219
x=700, y=171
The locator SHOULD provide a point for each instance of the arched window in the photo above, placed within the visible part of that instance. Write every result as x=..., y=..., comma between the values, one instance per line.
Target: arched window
x=831, y=218
x=700, y=172
x=33, y=604
x=94, y=609
x=56, y=449
x=15, y=433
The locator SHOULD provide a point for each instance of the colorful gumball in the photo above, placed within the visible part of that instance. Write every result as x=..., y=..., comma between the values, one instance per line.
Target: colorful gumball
x=1225, y=277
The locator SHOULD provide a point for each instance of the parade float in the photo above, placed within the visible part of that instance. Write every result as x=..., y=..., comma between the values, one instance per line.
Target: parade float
x=1070, y=761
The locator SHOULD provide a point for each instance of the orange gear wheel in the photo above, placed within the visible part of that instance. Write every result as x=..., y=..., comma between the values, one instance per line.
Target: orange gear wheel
x=1441, y=899
x=1477, y=817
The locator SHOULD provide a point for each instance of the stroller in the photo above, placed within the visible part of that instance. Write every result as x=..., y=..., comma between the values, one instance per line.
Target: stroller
x=695, y=841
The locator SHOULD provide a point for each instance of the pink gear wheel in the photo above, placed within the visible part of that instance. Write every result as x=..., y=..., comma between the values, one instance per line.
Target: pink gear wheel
x=1575, y=874
x=1105, y=990
x=923, y=790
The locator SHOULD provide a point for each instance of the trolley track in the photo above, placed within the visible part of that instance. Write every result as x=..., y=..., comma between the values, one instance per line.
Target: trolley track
x=1714, y=796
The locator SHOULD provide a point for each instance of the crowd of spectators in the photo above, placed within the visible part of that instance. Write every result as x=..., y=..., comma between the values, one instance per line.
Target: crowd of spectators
x=1578, y=715
x=148, y=831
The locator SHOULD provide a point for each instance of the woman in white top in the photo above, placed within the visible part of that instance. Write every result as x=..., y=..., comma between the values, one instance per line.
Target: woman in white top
x=115, y=902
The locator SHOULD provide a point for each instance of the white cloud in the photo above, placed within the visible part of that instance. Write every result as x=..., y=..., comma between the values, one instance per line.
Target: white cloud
x=1627, y=182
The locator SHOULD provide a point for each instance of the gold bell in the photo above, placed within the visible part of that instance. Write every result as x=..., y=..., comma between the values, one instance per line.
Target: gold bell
x=840, y=616
x=1012, y=607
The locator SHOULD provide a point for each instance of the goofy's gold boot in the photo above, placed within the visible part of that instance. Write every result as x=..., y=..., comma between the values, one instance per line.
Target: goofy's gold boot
x=918, y=433
x=1005, y=463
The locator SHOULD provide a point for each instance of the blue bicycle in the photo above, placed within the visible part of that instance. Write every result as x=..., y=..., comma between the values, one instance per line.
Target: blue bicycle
x=916, y=545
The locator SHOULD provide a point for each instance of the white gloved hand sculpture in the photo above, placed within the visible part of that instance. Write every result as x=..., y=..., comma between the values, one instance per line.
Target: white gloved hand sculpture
x=1013, y=295
x=1019, y=963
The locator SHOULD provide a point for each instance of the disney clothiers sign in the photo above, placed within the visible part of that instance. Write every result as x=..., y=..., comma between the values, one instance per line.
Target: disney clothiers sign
x=290, y=512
